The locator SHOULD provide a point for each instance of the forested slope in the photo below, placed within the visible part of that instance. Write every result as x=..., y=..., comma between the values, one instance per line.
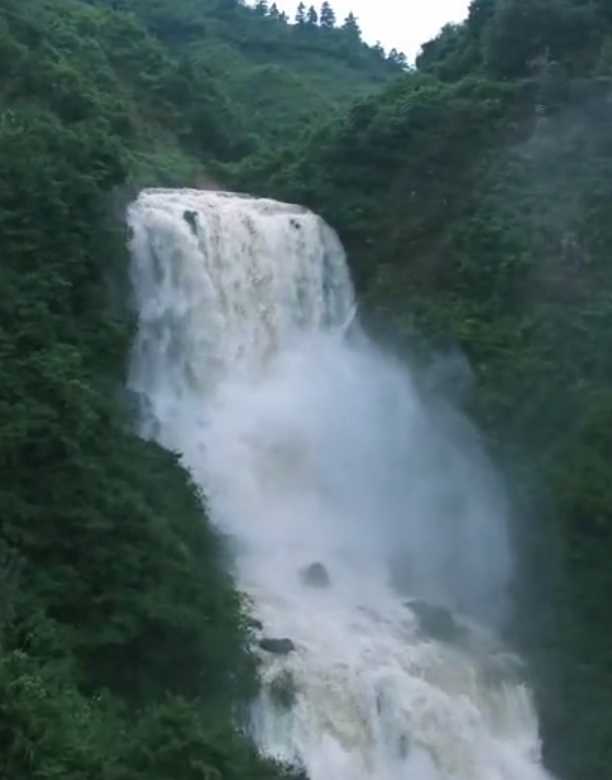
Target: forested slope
x=276, y=77
x=474, y=198
x=123, y=642
x=473, y=194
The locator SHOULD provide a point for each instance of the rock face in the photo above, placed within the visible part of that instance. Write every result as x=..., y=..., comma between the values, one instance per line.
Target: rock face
x=277, y=646
x=315, y=576
x=190, y=219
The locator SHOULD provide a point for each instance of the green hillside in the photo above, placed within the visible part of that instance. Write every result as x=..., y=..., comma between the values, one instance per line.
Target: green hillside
x=474, y=197
x=277, y=76
x=473, y=194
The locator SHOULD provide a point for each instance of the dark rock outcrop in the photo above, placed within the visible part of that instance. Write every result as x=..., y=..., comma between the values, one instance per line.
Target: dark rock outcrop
x=277, y=646
x=315, y=575
x=436, y=621
x=190, y=219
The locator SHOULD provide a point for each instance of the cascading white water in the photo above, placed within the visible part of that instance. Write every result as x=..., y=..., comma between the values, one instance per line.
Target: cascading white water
x=318, y=454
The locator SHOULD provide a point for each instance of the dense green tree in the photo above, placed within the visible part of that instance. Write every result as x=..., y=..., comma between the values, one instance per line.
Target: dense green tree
x=397, y=58
x=452, y=55
x=327, y=16
x=479, y=14
x=312, y=17
x=351, y=26
x=520, y=32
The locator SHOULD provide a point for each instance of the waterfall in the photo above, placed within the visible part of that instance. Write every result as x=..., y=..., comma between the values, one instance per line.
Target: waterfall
x=371, y=531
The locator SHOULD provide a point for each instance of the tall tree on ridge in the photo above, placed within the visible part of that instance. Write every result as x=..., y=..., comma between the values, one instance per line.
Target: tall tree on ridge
x=398, y=58
x=327, y=16
x=351, y=26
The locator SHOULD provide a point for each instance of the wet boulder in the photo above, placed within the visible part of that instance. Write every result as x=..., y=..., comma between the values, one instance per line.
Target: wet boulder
x=190, y=219
x=315, y=576
x=436, y=621
x=277, y=646
x=283, y=691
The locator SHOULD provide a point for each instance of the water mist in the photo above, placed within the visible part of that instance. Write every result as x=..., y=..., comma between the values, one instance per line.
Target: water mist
x=320, y=457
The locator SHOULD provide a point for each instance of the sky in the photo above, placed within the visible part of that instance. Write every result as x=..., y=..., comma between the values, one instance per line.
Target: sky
x=399, y=24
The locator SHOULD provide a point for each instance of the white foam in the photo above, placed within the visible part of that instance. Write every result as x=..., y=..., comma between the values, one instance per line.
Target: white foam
x=313, y=446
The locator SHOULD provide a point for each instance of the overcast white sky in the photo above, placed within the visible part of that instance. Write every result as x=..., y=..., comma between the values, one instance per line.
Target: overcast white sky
x=400, y=24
